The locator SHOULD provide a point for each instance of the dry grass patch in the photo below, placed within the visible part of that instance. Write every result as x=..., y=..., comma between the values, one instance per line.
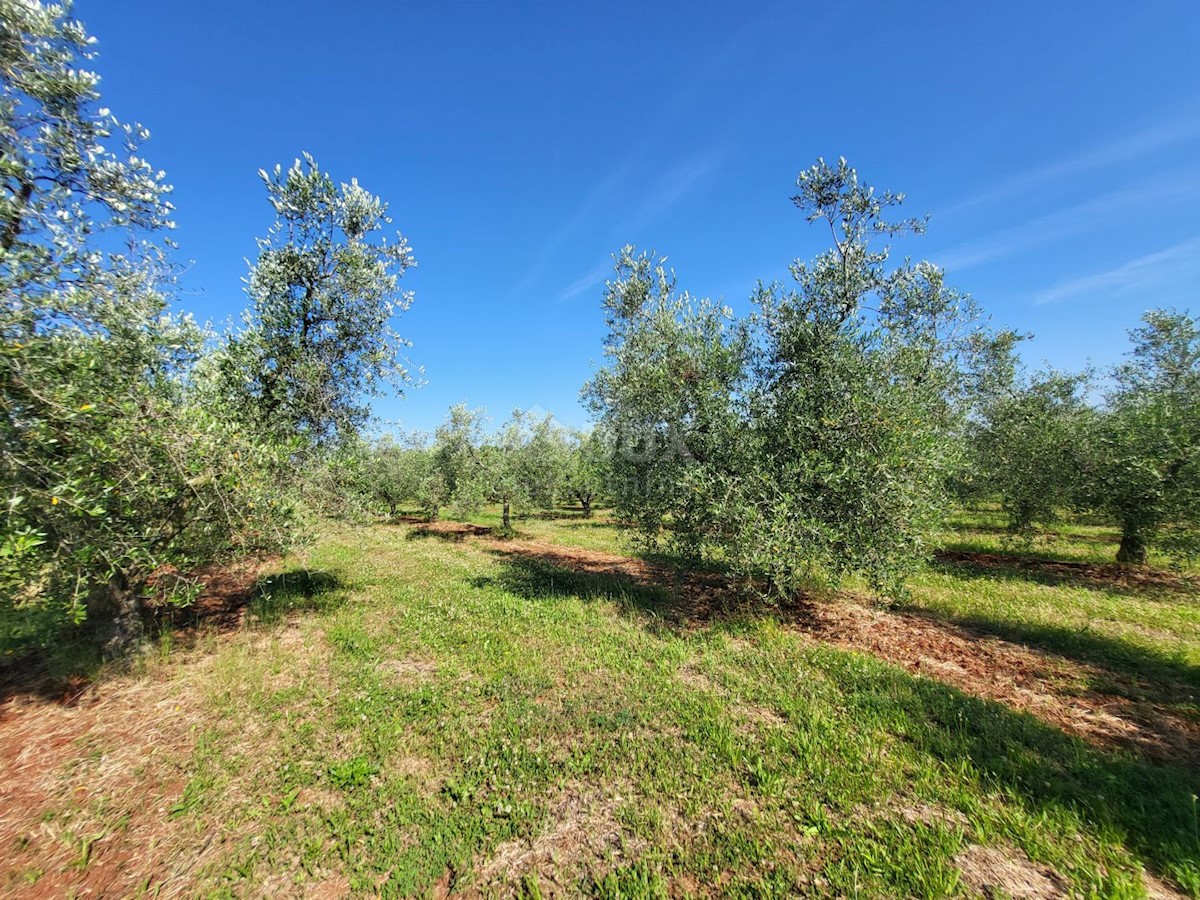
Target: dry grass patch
x=582, y=837
x=92, y=794
x=996, y=872
x=86, y=791
x=409, y=671
x=696, y=680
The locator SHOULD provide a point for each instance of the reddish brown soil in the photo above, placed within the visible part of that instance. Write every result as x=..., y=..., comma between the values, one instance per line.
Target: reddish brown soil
x=221, y=607
x=1043, y=684
x=224, y=596
x=88, y=770
x=1108, y=574
x=57, y=764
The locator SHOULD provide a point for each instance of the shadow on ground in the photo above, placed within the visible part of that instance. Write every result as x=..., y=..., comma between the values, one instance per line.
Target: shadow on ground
x=1136, y=672
x=559, y=513
x=454, y=532
x=661, y=586
x=1128, y=789
x=1153, y=695
x=1150, y=804
x=66, y=662
x=1145, y=582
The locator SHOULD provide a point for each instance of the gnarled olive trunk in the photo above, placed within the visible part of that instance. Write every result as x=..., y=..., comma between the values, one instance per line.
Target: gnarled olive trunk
x=507, y=514
x=587, y=506
x=1132, y=551
x=116, y=616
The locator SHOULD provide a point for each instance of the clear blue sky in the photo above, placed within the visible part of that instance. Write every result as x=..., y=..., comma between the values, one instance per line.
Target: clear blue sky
x=1056, y=145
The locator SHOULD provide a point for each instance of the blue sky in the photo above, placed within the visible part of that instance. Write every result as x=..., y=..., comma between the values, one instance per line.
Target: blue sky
x=1056, y=146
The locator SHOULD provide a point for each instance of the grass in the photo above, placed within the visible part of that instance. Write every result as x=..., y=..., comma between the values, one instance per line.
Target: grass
x=410, y=716
x=1142, y=630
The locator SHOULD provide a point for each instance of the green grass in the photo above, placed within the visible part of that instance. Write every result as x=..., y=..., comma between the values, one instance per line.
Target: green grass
x=1148, y=632
x=417, y=714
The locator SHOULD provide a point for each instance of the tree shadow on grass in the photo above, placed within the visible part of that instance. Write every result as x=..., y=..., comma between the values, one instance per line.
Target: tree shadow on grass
x=279, y=596
x=558, y=513
x=535, y=578
x=675, y=597
x=232, y=599
x=66, y=661
x=1151, y=584
x=1136, y=672
x=1146, y=802
x=1152, y=695
x=688, y=598
x=455, y=532
x=1149, y=806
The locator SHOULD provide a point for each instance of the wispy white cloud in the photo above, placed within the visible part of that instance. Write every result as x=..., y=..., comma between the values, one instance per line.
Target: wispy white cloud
x=592, y=201
x=675, y=183
x=1167, y=189
x=672, y=186
x=1156, y=271
x=669, y=189
x=1180, y=129
x=585, y=282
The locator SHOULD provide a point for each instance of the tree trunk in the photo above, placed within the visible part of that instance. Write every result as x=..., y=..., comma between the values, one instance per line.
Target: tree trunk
x=507, y=509
x=1132, y=551
x=392, y=510
x=12, y=228
x=587, y=507
x=433, y=512
x=117, y=617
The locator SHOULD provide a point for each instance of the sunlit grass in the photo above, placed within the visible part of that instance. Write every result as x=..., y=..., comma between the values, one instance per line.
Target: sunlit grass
x=487, y=737
x=414, y=715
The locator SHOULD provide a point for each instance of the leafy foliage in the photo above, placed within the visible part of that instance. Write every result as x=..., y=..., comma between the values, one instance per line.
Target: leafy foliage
x=318, y=337
x=519, y=467
x=814, y=439
x=588, y=467
x=403, y=470
x=1142, y=462
x=669, y=398
x=1042, y=445
x=117, y=465
x=63, y=188
x=1027, y=445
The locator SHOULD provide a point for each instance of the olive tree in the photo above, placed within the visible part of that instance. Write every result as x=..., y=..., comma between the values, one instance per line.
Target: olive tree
x=70, y=172
x=455, y=457
x=118, y=467
x=813, y=439
x=403, y=470
x=587, y=467
x=1142, y=463
x=1026, y=447
x=547, y=454
x=670, y=398
x=520, y=466
x=318, y=338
